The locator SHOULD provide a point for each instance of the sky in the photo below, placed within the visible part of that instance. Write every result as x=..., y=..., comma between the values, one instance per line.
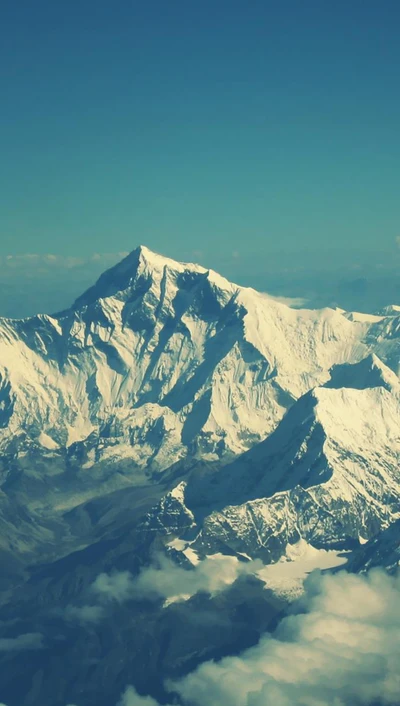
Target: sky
x=245, y=136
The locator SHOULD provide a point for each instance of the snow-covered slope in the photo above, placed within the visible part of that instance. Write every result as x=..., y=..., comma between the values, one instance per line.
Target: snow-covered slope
x=329, y=474
x=159, y=359
x=369, y=372
x=170, y=413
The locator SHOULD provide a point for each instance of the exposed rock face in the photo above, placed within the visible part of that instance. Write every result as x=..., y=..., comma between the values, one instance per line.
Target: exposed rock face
x=381, y=551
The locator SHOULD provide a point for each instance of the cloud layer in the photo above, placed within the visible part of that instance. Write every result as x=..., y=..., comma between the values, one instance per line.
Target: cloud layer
x=132, y=698
x=163, y=580
x=29, y=641
x=172, y=582
x=341, y=648
x=84, y=614
x=344, y=650
x=31, y=283
x=45, y=261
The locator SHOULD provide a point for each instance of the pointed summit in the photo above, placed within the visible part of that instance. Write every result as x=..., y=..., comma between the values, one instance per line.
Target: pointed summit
x=140, y=262
x=112, y=281
x=143, y=266
x=367, y=373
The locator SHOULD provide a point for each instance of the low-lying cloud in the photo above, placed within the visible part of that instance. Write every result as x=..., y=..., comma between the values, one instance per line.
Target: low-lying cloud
x=293, y=302
x=341, y=648
x=167, y=580
x=132, y=698
x=118, y=586
x=49, y=260
x=29, y=641
x=344, y=650
x=163, y=580
x=33, y=283
x=84, y=614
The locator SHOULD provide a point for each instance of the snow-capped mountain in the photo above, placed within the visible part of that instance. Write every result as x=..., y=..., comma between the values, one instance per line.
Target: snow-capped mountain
x=170, y=413
x=162, y=360
x=329, y=474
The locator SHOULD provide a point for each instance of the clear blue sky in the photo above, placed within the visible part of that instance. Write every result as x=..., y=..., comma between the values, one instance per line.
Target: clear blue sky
x=190, y=125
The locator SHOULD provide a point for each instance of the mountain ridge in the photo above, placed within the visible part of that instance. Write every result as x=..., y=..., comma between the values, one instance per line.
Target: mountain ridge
x=174, y=364
x=170, y=418
x=166, y=333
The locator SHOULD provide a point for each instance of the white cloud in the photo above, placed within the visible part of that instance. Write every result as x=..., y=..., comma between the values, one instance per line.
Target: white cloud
x=164, y=580
x=29, y=641
x=339, y=647
x=50, y=260
x=118, y=586
x=172, y=582
x=84, y=614
x=132, y=698
x=212, y=575
x=344, y=650
x=293, y=302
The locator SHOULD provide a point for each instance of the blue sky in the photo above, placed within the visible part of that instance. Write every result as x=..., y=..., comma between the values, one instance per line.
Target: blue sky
x=204, y=129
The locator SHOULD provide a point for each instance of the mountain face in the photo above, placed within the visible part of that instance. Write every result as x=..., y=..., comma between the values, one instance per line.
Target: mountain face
x=161, y=361
x=382, y=551
x=172, y=415
x=328, y=474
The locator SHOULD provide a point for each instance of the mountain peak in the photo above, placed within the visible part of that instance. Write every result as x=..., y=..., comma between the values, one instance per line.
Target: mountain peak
x=391, y=310
x=369, y=372
x=158, y=261
x=143, y=263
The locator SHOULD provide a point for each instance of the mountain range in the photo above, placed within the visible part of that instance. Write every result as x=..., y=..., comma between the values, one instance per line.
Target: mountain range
x=172, y=416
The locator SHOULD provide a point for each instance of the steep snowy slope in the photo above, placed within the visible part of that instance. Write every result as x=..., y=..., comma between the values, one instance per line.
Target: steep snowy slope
x=329, y=474
x=160, y=360
x=369, y=372
x=170, y=413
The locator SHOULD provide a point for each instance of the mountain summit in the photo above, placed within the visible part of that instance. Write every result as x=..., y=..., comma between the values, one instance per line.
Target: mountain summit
x=161, y=361
x=173, y=420
x=145, y=264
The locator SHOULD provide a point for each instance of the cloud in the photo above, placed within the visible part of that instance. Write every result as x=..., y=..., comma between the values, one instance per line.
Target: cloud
x=293, y=302
x=51, y=261
x=167, y=580
x=164, y=580
x=47, y=283
x=340, y=646
x=118, y=586
x=29, y=641
x=84, y=614
x=342, y=649
x=132, y=698
x=212, y=575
